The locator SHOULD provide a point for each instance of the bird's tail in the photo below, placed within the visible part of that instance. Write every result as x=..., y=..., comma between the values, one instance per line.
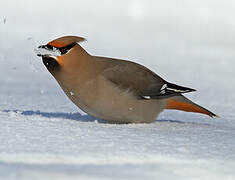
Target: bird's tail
x=180, y=102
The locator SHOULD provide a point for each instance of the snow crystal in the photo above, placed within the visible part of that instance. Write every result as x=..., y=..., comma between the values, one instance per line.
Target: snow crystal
x=47, y=52
x=42, y=91
x=12, y=114
x=4, y=20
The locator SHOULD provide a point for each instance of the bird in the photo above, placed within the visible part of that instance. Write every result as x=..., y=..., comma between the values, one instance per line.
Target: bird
x=114, y=90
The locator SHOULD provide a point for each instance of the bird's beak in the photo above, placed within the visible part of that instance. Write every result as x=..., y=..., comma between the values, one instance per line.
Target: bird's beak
x=46, y=50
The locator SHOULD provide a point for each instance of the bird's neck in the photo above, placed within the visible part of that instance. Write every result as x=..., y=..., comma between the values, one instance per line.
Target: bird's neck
x=76, y=58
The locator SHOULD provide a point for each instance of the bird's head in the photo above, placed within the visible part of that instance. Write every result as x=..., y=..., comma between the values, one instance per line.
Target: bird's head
x=53, y=53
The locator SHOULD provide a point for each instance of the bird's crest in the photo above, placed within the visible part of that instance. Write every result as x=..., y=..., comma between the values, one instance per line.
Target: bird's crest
x=65, y=41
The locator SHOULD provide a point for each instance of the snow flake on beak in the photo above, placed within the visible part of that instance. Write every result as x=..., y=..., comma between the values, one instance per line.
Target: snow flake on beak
x=51, y=51
x=47, y=50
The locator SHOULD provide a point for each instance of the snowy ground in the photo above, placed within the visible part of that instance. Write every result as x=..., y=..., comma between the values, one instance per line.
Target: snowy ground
x=44, y=136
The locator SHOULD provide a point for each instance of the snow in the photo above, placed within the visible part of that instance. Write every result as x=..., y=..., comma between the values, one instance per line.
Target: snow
x=44, y=136
x=40, y=51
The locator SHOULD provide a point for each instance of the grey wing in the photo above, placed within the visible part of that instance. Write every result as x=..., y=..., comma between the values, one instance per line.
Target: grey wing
x=144, y=83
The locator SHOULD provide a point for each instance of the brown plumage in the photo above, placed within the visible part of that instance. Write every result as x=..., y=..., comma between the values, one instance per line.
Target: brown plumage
x=117, y=91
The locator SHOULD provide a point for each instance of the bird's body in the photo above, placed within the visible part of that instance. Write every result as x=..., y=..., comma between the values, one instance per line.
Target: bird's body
x=117, y=91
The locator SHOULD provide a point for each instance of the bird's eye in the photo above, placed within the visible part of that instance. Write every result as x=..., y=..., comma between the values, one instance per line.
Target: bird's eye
x=65, y=49
x=49, y=47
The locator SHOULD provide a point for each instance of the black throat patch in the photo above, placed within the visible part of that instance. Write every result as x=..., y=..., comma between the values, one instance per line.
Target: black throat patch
x=51, y=64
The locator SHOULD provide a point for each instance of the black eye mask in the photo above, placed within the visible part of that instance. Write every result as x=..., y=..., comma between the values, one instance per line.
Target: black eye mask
x=51, y=50
x=65, y=49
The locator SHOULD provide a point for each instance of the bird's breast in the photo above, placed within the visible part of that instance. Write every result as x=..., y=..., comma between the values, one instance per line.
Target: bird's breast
x=101, y=98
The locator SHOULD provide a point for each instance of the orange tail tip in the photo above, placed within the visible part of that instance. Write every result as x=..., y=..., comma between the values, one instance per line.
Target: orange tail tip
x=187, y=105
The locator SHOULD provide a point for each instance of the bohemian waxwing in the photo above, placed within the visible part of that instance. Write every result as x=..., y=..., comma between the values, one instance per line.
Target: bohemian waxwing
x=114, y=90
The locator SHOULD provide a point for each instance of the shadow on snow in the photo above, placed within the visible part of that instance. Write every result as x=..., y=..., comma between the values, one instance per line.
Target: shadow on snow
x=71, y=116
x=79, y=117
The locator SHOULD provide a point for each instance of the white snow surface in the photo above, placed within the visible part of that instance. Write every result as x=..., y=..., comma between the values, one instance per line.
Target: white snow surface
x=44, y=136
